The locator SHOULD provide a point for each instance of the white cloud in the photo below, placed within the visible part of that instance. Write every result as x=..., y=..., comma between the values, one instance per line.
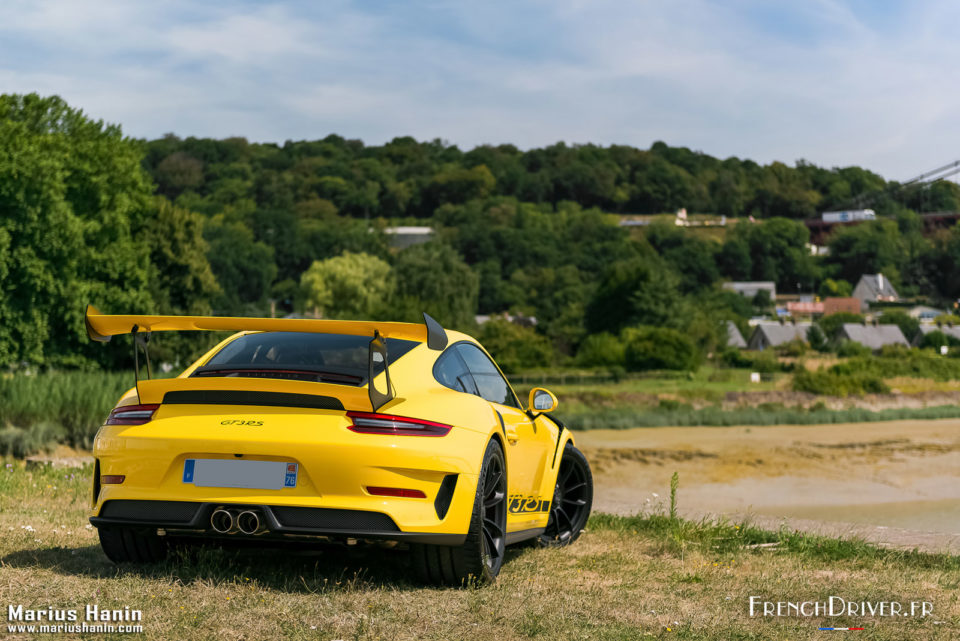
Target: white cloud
x=820, y=80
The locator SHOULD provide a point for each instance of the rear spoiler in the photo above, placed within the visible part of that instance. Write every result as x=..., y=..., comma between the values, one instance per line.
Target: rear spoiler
x=101, y=327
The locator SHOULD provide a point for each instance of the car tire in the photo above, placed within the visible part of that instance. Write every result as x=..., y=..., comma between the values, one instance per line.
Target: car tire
x=131, y=545
x=480, y=557
x=572, y=500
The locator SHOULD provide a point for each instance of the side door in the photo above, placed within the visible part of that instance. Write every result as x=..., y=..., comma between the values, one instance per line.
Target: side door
x=527, y=442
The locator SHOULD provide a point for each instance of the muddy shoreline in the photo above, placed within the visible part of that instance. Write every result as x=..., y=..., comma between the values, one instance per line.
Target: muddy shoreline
x=896, y=482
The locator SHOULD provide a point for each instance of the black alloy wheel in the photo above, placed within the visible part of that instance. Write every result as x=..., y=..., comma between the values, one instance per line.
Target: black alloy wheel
x=494, y=513
x=479, y=559
x=572, y=500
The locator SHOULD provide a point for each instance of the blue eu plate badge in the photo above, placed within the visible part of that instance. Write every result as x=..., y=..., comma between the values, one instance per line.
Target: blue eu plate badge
x=291, y=478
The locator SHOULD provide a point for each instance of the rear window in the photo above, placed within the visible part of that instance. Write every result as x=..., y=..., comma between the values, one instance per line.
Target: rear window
x=327, y=358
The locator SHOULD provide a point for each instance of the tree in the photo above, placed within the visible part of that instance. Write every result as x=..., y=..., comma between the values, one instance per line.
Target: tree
x=874, y=247
x=831, y=288
x=243, y=266
x=181, y=279
x=831, y=323
x=515, y=347
x=354, y=286
x=432, y=278
x=659, y=348
x=634, y=292
x=907, y=324
x=71, y=191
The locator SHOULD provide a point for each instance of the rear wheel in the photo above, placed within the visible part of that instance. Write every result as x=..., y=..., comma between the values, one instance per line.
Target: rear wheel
x=480, y=557
x=130, y=545
x=572, y=500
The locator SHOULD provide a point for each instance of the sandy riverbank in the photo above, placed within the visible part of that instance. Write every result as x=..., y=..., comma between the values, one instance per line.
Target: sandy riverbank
x=896, y=482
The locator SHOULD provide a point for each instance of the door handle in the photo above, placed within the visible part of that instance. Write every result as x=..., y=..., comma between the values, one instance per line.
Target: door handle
x=512, y=437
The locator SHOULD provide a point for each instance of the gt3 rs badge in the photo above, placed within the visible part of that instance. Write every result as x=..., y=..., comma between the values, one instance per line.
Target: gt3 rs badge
x=520, y=504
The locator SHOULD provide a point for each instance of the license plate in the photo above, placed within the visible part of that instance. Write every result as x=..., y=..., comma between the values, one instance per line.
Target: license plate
x=260, y=475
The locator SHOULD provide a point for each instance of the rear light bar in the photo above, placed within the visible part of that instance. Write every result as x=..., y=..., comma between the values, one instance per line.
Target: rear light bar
x=396, y=491
x=131, y=414
x=373, y=423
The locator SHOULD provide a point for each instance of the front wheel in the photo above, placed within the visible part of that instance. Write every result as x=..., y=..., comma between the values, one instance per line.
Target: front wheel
x=480, y=557
x=572, y=500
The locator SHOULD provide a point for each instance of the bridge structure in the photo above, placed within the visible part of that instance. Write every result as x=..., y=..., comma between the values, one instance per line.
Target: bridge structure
x=932, y=221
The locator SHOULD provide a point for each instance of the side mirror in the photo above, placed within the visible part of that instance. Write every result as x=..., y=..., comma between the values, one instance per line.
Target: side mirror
x=542, y=400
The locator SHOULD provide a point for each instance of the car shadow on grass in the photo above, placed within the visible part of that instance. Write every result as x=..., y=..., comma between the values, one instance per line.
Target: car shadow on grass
x=313, y=569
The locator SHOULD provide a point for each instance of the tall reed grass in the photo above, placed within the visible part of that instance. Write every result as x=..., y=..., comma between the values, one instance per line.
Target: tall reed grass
x=41, y=410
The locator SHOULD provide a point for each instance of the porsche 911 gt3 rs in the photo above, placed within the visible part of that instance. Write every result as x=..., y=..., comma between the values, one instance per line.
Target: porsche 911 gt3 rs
x=303, y=430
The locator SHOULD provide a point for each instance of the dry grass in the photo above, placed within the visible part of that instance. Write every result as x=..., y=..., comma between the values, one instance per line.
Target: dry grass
x=624, y=579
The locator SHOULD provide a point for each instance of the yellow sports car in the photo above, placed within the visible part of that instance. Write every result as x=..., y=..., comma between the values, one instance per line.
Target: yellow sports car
x=299, y=430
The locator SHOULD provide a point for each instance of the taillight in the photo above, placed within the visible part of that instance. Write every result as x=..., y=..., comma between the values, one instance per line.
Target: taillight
x=372, y=423
x=396, y=491
x=112, y=479
x=131, y=414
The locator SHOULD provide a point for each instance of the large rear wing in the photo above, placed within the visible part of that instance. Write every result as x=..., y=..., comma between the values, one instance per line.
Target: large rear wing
x=100, y=327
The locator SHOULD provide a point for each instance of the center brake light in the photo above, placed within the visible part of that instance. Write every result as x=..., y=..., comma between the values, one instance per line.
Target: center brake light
x=131, y=414
x=373, y=423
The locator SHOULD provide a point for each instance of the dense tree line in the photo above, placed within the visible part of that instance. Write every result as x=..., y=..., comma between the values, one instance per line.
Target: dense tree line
x=225, y=226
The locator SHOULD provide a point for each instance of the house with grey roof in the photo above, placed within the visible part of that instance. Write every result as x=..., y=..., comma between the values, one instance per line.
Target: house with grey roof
x=875, y=288
x=750, y=288
x=774, y=334
x=734, y=337
x=952, y=331
x=872, y=336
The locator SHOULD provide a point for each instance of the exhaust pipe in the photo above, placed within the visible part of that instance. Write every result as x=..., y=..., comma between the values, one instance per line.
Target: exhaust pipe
x=221, y=521
x=248, y=522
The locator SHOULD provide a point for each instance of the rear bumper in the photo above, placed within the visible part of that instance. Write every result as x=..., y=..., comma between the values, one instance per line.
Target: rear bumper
x=189, y=518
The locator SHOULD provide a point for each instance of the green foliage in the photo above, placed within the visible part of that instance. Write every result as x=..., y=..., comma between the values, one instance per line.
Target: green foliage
x=67, y=407
x=601, y=350
x=893, y=363
x=432, y=278
x=71, y=191
x=937, y=339
x=649, y=348
x=639, y=291
x=850, y=349
x=816, y=338
x=775, y=250
x=351, y=286
x=868, y=248
x=514, y=346
x=907, y=324
x=793, y=348
x=831, y=323
x=834, y=383
x=831, y=288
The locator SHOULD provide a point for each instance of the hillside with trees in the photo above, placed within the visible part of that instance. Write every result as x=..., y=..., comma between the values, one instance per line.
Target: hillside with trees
x=230, y=227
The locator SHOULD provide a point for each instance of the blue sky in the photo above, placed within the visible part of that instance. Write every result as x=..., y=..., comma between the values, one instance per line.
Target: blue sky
x=866, y=82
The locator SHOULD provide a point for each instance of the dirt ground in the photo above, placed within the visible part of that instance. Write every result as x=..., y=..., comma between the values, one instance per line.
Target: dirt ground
x=896, y=483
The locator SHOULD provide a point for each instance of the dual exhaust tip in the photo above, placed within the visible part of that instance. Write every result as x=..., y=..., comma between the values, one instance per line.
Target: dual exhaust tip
x=224, y=522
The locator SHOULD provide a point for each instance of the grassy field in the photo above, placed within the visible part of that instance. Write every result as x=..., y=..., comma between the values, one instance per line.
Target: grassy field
x=626, y=578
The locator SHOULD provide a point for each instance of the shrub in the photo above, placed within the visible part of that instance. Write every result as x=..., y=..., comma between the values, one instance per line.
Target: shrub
x=830, y=382
x=816, y=338
x=601, y=350
x=907, y=324
x=831, y=323
x=515, y=347
x=659, y=348
x=936, y=339
x=849, y=349
x=796, y=347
